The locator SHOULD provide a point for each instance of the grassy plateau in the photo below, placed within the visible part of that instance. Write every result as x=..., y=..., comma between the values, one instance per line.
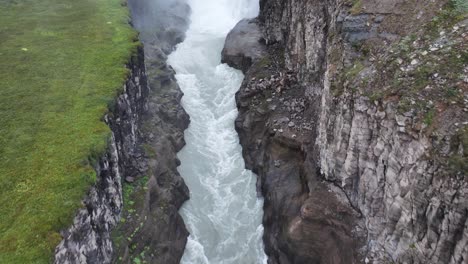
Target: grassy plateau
x=62, y=62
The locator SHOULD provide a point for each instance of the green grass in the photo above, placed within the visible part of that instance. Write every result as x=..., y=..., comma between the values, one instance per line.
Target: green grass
x=460, y=5
x=357, y=7
x=354, y=70
x=130, y=222
x=62, y=62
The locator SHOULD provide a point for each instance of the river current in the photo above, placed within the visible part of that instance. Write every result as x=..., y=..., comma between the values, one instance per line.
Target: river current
x=223, y=214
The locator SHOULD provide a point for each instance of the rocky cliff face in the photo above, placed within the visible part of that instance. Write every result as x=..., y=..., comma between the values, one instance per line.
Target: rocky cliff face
x=131, y=214
x=89, y=239
x=389, y=145
x=151, y=229
x=358, y=145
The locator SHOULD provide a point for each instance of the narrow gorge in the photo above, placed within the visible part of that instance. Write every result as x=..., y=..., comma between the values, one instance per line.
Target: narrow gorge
x=356, y=160
x=236, y=132
x=224, y=213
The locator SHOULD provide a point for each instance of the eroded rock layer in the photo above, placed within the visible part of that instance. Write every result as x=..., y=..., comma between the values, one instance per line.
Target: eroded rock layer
x=357, y=142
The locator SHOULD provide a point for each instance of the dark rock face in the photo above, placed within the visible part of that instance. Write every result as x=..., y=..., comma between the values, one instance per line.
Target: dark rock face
x=147, y=125
x=346, y=179
x=151, y=229
x=244, y=45
x=304, y=221
x=143, y=119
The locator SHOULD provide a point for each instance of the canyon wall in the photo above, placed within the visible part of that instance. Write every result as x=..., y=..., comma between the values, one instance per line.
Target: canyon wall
x=151, y=229
x=359, y=147
x=131, y=214
x=88, y=240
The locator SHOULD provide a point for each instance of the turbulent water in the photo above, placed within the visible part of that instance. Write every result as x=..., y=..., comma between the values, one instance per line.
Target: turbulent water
x=224, y=213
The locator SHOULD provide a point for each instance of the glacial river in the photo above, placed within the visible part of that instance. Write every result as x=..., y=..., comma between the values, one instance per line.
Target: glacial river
x=224, y=213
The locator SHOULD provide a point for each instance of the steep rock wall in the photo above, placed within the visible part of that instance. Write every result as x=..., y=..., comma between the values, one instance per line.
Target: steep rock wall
x=389, y=158
x=305, y=220
x=414, y=211
x=390, y=166
x=131, y=214
x=151, y=229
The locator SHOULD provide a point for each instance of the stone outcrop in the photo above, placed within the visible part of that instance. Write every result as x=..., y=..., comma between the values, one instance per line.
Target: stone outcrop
x=243, y=45
x=347, y=176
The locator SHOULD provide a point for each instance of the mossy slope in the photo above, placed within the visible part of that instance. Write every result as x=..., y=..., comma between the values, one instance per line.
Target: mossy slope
x=62, y=63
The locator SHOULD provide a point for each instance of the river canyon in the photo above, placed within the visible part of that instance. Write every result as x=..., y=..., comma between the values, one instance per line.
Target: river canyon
x=285, y=131
x=224, y=212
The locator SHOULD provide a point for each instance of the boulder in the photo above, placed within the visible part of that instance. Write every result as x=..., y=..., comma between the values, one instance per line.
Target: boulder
x=244, y=44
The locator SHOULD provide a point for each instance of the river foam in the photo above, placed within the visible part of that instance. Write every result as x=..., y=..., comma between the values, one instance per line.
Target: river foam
x=224, y=213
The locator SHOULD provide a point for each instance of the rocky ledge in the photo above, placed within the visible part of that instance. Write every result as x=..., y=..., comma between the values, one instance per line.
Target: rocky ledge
x=88, y=240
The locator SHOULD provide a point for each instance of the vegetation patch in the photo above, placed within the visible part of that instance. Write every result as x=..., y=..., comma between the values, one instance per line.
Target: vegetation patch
x=356, y=7
x=62, y=63
x=460, y=6
x=426, y=68
x=131, y=222
x=262, y=68
x=424, y=74
x=425, y=71
x=458, y=161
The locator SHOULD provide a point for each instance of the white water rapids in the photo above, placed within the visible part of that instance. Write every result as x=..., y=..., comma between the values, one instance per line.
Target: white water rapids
x=224, y=213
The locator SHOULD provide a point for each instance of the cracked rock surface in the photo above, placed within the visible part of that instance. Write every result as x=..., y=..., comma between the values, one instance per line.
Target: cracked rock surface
x=358, y=147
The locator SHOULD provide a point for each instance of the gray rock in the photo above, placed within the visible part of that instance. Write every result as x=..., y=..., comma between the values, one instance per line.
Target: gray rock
x=129, y=179
x=277, y=163
x=412, y=211
x=244, y=45
x=283, y=120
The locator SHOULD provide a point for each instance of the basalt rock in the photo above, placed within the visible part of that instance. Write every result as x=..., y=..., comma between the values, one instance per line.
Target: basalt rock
x=304, y=220
x=356, y=179
x=151, y=229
